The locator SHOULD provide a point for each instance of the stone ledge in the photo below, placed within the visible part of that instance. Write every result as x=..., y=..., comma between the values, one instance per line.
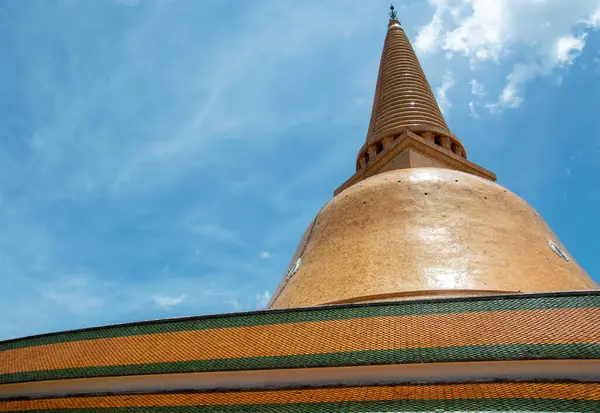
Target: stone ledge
x=410, y=140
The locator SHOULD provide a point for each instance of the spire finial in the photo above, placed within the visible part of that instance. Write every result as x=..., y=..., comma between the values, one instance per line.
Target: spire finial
x=393, y=14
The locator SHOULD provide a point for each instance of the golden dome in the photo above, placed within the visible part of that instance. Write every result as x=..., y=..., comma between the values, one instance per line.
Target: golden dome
x=426, y=232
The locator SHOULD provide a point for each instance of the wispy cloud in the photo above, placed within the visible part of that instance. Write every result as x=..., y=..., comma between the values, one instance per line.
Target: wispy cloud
x=442, y=93
x=214, y=232
x=262, y=299
x=257, y=301
x=473, y=111
x=477, y=89
x=165, y=301
x=265, y=255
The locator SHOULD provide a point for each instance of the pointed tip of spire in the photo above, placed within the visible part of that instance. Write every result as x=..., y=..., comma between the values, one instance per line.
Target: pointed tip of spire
x=393, y=15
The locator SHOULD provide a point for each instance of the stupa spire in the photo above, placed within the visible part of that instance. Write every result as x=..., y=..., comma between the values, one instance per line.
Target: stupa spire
x=403, y=96
x=407, y=127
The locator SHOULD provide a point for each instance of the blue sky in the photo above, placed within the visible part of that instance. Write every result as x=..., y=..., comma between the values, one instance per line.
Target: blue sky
x=161, y=158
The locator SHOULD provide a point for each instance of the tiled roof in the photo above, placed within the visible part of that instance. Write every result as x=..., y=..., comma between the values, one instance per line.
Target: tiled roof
x=513, y=327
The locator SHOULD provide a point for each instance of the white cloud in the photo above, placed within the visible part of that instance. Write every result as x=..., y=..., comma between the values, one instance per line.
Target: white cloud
x=428, y=36
x=265, y=255
x=521, y=73
x=540, y=35
x=442, y=93
x=474, y=28
x=78, y=302
x=235, y=304
x=78, y=294
x=214, y=231
x=251, y=302
x=195, y=224
x=569, y=47
x=165, y=301
x=477, y=89
x=262, y=299
x=481, y=34
x=594, y=19
x=472, y=111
